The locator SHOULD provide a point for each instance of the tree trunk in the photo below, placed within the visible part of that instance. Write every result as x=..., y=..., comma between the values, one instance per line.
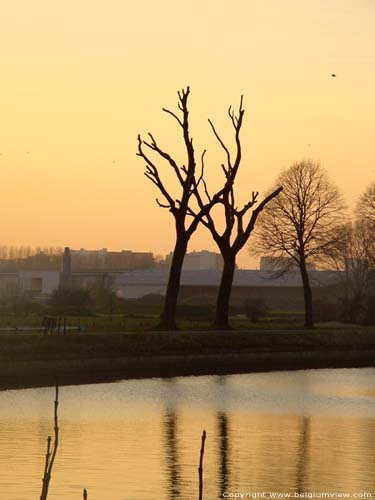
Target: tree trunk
x=222, y=303
x=307, y=294
x=168, y=316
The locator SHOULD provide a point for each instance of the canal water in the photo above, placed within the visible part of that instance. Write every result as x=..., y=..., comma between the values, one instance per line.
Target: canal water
x=297, y=432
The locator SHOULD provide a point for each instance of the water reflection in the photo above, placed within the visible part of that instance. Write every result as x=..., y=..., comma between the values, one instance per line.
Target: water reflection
x=223, y=453
x=290, y=432
x=171, y=454
x=222, y=430
x=303, y=455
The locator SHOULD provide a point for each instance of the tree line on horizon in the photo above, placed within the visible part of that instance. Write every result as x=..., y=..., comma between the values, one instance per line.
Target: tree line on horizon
x=15, y=252
x=301, y=220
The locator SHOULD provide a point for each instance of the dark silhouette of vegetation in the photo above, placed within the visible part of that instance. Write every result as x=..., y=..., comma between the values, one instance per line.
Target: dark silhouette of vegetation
x=15, y=301
x=366, y=205
x=237, y=229
x=102, y=297
x=181, y=207
x=23, y=252
x=51, y=451
x=68, y=299
x=303, y=225
x=327, y=309
x=358, y=261
x=255, y=308
x=200, y=468
x=28, y=258
x=77, y=300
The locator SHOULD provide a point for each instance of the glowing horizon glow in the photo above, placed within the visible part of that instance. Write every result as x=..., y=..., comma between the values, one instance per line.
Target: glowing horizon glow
x=81, y=79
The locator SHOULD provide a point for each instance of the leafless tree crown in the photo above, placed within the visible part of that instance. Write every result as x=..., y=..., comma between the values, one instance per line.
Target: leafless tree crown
x=186, y=174
x=366, y=205
x=306, y=218
x=237, y=227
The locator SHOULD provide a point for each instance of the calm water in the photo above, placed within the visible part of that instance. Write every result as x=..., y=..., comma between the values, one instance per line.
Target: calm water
x=306, y=431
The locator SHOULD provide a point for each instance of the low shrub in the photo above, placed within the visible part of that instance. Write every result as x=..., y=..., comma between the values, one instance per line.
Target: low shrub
x=203, y=312
x=369, y=315
x=255, y=308
x=326, y=310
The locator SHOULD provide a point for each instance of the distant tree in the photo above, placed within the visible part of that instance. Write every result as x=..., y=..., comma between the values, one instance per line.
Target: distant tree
x=180, y=206
x=237, y=224
x=102, y=295
x=70, y=300
x=302, y=225
x=16, y=301
x=358, y=262
x=366, y=205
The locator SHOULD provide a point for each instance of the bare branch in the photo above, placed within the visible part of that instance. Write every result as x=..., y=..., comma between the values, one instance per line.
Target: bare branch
x=221, y=144
x=242, y=238
x=200, y=178
x=152, y=173
x=247, y=206
x=162, y=205
x=153, y=145
x=225, y=170
x=304, y=221
x=174, y=115
x=51, y=453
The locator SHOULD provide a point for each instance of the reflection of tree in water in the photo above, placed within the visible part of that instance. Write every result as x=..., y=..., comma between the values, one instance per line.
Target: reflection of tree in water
x=223, y=452
x=223, y=437
x=303, y=454
x=173, y=467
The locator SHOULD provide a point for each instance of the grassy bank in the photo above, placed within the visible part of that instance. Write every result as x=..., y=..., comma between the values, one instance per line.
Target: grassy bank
x=82, y=345
x=34, y=359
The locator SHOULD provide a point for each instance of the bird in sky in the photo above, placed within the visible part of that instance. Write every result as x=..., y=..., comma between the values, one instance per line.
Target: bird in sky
x=333, y=75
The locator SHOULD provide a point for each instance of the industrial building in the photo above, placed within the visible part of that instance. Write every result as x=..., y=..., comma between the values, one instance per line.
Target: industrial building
x=200, y=278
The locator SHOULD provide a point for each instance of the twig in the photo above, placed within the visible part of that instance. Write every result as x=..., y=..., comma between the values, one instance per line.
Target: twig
x=51, y=454
x=84, y=494
x=200, y=469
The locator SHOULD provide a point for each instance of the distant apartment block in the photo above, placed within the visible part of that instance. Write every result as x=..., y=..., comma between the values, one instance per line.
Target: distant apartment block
x=81, y=260
x=104, y=259
x=199, y=261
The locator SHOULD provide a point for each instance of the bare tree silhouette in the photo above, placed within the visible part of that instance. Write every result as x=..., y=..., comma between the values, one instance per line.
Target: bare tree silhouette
x=366, y=205
x=186, y=218
x=237, y=225
x=302, y=225
x=358, y=260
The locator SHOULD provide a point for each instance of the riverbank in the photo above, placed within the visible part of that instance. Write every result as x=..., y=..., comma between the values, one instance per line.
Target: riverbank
x=28, y=360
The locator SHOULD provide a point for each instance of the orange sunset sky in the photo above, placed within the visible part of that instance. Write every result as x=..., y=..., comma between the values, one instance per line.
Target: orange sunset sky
x=81, y=78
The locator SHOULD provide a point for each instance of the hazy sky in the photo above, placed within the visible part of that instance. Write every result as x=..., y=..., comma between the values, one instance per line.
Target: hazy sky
x=80, y=79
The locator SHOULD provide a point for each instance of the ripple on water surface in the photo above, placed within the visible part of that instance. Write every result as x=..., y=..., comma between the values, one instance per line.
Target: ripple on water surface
x=310, y=430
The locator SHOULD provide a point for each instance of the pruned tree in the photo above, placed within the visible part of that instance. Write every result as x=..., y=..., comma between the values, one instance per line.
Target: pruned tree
x=303, y=225
x=238, y=222
x=180, y=206
x=366, y=205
